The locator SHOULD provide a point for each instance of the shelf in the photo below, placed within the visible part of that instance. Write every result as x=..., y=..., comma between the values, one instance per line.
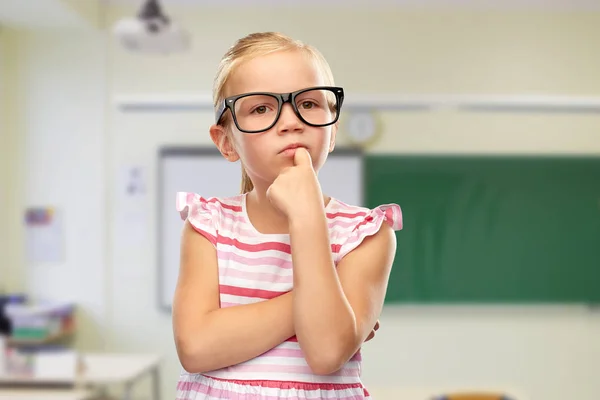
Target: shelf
x=176, y=102
x=58, y=337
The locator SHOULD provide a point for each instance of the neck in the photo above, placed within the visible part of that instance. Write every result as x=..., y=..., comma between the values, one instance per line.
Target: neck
x=263, y=215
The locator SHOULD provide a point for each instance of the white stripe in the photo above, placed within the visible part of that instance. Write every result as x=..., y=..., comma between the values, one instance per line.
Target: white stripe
x=255, y=254
x=263, y=360
x=282, y=377
x=259, y=268
x=254, y=284
x=245, y=233
x=230, y=298
x=298, y=361
x=289, y=345
x=274, y=392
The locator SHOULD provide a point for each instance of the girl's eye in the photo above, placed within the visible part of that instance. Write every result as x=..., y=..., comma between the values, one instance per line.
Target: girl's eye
x=307, y=104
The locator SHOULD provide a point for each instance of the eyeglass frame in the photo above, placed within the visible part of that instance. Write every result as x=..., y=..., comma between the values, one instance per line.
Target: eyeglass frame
x=282, y=98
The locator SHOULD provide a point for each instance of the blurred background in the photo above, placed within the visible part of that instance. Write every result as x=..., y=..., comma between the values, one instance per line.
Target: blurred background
x=480, y=118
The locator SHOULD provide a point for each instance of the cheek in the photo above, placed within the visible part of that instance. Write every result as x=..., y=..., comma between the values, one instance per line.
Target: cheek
x=324, y=140
x=251, y=149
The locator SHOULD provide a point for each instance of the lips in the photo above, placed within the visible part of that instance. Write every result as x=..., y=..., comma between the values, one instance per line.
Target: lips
x=292, y=147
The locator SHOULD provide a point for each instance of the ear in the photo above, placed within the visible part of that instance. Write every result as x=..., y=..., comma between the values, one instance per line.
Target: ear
x=224, y=142
x=334, y=130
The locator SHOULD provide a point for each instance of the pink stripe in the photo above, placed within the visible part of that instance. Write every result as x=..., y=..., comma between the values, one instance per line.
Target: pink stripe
x=226, y=216
x=249, y=292
x=391, y=215
x=270, y=261
x=295, y=353
x=288, y=369
x=248, y=230
x=226, y=304
x=257, y=276
x=254, y=248
x=336, y=223
x=225, y=205
x=200, y=387
x=264, y=246
x=229, y=304
x=346, y=215
x=204, y=233
x=332, y=223
x=369, y=231
x=276, y=352
x=289, y=385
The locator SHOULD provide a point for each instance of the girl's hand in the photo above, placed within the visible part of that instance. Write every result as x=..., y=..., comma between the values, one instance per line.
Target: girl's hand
x=296, y=191
x=372, y=334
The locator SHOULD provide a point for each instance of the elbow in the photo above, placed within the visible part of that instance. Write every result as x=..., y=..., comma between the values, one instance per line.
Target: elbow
x=190, y=364
x=327, y=354
x=192, y=356
x=324, y=366
x=330, y=361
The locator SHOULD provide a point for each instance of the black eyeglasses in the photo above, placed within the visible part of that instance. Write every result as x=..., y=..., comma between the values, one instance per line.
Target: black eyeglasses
x=259, y=111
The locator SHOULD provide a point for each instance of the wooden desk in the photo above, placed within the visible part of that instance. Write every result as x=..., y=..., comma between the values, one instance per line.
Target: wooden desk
x=99, y=371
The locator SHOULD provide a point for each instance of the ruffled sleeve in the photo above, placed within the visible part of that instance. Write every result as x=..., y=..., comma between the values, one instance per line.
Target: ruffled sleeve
x=370, y=225
x=203, y=214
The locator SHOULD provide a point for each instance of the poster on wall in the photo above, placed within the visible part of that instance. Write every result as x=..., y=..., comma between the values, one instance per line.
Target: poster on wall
x=45, y=236
x=131, y=207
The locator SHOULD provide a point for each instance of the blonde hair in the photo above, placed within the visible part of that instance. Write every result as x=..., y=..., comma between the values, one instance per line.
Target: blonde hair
x=257, y=45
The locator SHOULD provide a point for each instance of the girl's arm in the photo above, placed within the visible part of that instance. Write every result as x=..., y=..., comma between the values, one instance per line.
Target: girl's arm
x=335, y=311
x=208, y=337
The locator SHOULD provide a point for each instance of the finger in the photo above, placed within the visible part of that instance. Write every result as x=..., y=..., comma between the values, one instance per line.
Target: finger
x=302, y=157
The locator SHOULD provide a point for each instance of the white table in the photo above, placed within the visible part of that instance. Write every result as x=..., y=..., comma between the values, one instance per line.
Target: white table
x=99, y=371
x=46, y=394
x=429, y=393
x=107, y=369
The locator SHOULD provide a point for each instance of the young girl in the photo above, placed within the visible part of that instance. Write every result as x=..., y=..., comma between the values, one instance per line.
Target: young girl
x=279, y=286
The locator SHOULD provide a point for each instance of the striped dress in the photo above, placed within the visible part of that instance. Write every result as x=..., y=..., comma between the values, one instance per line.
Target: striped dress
x=256, y=267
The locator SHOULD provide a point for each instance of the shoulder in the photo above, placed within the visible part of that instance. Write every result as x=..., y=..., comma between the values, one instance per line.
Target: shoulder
x=188, y=203
x=206, y=214
x=340, y=214
x=350, y=225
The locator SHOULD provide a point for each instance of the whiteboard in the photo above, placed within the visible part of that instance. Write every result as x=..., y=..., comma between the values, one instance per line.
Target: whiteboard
x=204, y=171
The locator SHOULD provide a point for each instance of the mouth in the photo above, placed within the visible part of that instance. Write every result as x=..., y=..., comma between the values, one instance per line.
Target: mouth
x=291, y=149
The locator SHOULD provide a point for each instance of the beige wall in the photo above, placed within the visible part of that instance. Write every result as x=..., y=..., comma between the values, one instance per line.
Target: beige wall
x=75, y=148
x=403, y=53
x=4, y=168
x=10, y=165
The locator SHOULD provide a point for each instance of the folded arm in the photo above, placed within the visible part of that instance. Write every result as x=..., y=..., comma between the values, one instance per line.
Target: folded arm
x=208, y=337
x=335, y=310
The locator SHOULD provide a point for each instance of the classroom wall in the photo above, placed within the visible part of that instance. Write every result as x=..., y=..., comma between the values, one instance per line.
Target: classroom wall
x=61, y=89
x=3, y=166
x=10, y=191
x=76, y=147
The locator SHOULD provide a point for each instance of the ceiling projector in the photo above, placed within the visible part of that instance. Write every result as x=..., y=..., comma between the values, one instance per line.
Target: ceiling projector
x=151, y=32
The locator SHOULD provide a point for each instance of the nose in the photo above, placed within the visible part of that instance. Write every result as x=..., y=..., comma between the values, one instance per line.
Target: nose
x=289, y=121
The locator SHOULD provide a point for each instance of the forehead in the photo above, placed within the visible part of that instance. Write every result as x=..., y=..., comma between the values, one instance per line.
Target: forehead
x=280, y=72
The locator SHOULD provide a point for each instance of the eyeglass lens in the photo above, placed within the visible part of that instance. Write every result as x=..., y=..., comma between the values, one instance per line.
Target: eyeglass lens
x=259, y=112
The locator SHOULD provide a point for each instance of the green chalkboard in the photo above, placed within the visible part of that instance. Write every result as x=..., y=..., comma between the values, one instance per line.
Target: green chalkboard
x=491, y=229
